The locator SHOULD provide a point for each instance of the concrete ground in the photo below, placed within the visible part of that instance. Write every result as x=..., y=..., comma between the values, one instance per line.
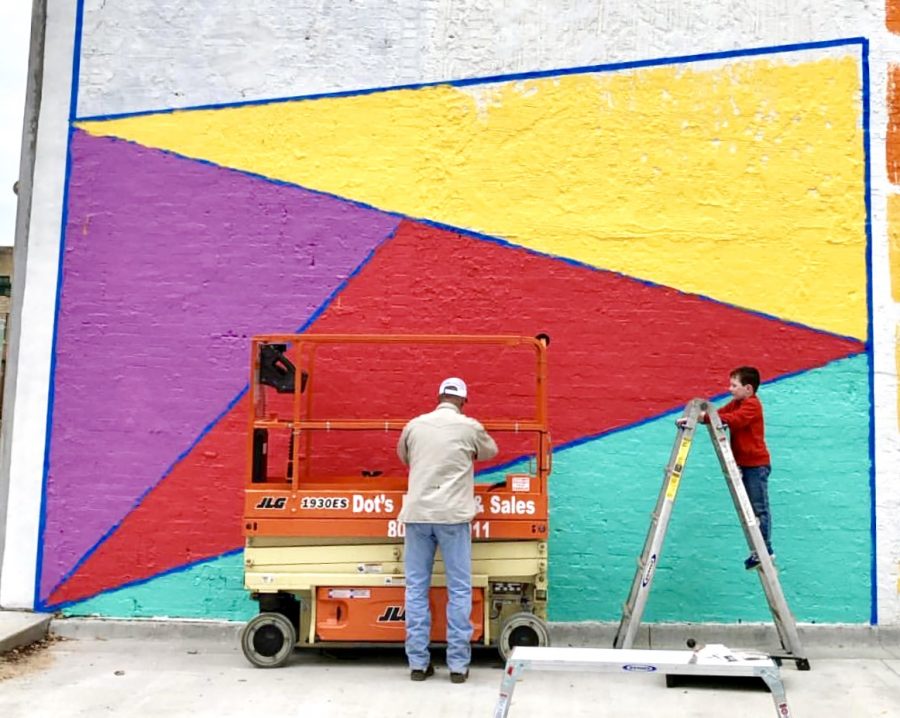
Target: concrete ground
x=143, y=669
x=21, y=628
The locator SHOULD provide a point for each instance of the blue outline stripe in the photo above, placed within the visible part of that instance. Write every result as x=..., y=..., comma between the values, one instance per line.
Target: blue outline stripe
x=866, y=100
x=474, y=234
x=668, y=412
x=863, y=42
x=646, y=282
x=368, y=257
x=499, y=467
x=209, y=427
x=321, y=309
x=467, y=82
x=137, y=582
x=51, y=389
x=343, y=285
x=137, y=502
x=340, y=287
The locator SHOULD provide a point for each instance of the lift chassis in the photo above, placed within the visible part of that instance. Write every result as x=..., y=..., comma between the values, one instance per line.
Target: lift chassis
x=324, y=549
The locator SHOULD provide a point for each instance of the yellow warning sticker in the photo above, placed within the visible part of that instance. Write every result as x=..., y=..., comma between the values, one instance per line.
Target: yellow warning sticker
x=675, y=478
x=683, y=452
x=672, y=488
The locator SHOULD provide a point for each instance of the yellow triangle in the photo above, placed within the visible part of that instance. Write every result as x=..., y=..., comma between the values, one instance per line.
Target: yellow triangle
x=741, y=181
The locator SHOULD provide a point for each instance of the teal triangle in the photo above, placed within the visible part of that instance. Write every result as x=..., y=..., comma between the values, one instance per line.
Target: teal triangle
x=212, y=589
x=603, y=492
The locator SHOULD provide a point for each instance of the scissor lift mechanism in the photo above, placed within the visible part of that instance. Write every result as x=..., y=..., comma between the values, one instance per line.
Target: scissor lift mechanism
x=324, y=556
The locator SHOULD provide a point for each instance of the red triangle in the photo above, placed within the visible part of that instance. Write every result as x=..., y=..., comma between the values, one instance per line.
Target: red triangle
x=622, y=351
x=193, y=514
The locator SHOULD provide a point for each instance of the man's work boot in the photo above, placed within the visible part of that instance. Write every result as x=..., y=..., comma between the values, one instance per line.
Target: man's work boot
x=420, y=674
x=459, y=677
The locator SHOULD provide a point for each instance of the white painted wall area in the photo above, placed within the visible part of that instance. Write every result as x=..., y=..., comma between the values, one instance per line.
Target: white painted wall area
x=140, y=56
x=28, y=428
x=884, y=51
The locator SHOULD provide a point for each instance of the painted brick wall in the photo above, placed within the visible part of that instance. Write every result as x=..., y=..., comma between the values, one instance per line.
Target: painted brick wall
x=892, y=152
x=669, y=193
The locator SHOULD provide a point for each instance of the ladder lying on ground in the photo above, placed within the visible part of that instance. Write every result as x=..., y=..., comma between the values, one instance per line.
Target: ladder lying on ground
x=768, y=574
x=712, y=660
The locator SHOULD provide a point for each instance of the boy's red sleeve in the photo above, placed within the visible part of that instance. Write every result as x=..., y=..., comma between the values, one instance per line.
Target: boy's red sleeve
x=737, y=417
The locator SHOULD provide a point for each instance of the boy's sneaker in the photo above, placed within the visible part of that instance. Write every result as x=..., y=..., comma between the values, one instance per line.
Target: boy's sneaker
x=420, y=674
x=752, y=561
x=459, y=677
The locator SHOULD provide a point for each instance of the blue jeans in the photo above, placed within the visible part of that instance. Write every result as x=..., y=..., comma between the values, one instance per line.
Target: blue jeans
x=756, y=482
x=455, y=541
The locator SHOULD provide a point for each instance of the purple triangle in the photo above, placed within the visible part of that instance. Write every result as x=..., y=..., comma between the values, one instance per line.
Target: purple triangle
x=170, y=266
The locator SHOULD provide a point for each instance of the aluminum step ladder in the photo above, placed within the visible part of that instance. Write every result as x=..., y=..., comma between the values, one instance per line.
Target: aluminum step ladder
x=711, y=660
x=649, y=560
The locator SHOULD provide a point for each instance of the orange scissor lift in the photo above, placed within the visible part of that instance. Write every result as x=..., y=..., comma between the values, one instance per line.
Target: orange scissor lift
x=324, y=550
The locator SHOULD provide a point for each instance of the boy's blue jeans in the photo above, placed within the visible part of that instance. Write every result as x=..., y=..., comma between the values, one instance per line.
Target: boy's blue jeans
x=756, y=482
x=455, y=541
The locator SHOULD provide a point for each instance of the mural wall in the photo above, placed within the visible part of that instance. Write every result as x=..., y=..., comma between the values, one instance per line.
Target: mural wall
x=665, y=207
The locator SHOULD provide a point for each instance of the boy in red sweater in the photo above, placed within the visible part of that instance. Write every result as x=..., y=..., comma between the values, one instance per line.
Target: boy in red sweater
x=744, y=417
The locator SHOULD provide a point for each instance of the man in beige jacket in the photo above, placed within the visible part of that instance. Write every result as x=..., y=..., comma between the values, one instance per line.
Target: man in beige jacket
x=440, y=449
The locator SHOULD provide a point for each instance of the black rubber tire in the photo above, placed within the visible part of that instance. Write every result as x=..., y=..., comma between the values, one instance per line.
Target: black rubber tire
x=268, y=640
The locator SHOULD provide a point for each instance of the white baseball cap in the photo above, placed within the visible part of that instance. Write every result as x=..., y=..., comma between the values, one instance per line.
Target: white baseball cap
x=454, y=386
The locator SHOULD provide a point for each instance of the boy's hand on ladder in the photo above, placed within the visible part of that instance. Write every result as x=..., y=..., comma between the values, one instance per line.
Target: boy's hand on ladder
x=682, y=420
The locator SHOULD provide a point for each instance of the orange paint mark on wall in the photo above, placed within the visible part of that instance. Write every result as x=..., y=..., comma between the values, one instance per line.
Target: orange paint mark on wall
x=893, y=131
x=892, y=15
x=893, y=217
